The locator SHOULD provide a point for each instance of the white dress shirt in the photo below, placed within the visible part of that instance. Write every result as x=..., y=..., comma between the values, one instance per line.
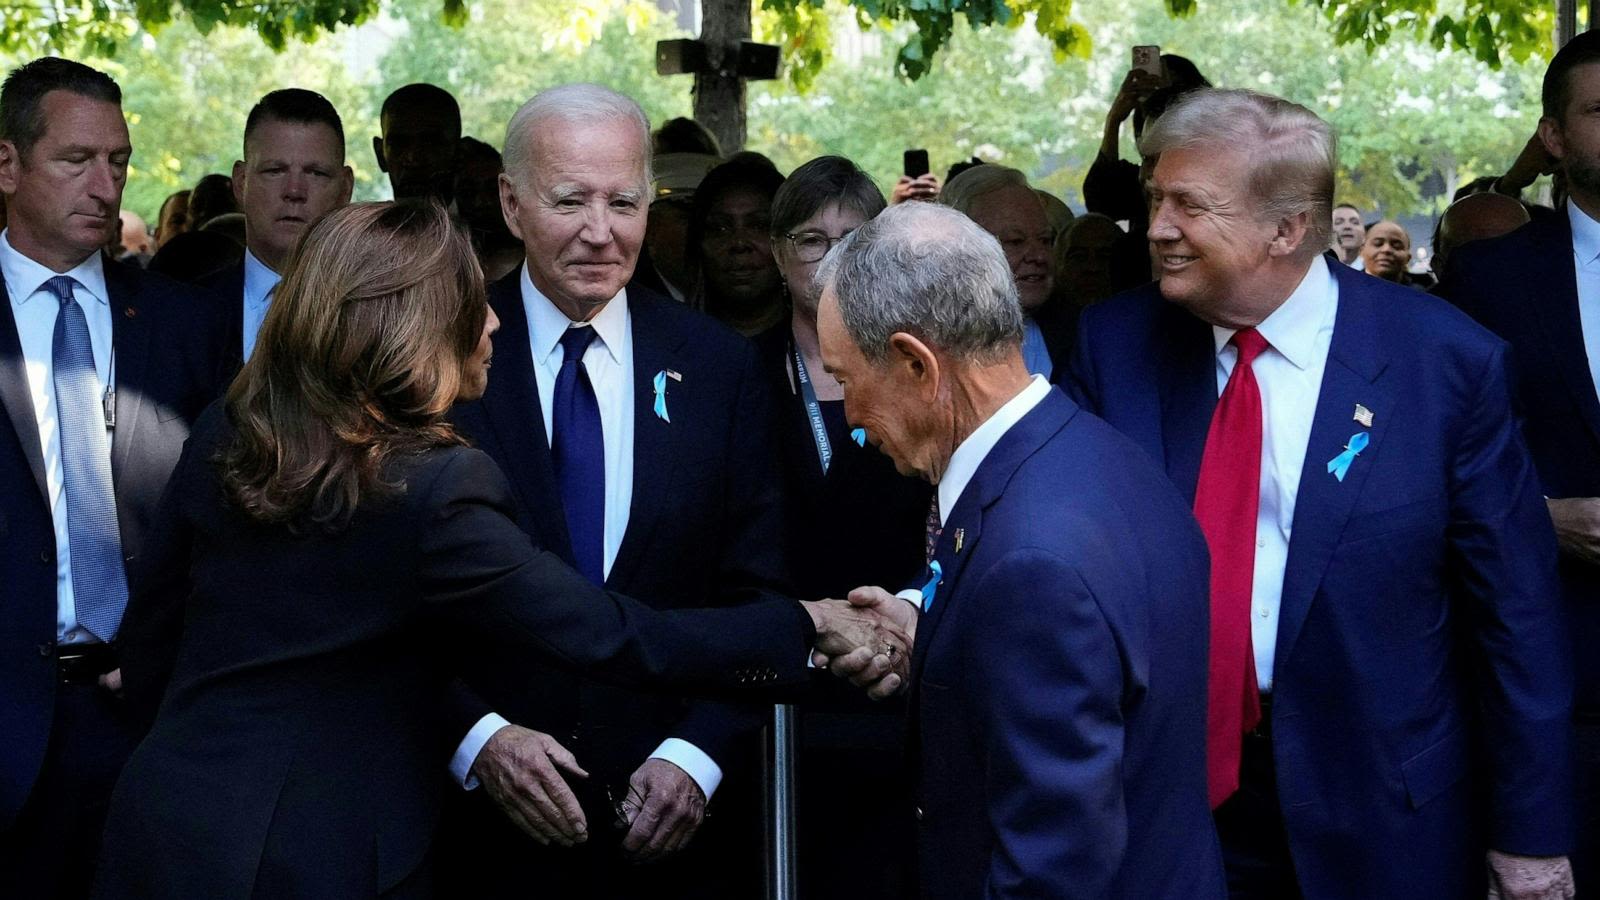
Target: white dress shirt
x=1289, y=374
x=1586, y=260
x=259, y=283
x=609, y=362
x=35, y=311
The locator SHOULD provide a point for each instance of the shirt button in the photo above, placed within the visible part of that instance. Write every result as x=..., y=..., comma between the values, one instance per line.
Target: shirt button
x=1264, y=612
x=1261, y=544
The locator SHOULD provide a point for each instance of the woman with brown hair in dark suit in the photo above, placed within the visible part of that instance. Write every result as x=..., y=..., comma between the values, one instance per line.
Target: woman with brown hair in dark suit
x=333, y=547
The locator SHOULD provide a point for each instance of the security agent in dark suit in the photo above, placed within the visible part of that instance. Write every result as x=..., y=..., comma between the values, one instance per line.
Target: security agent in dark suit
x=102, y=370
x=1057, y=721
x=293, y=171
x=636, y=433
x=1538, y=288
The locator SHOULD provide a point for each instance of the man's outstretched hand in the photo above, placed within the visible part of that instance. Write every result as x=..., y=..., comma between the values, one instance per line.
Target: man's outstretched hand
x=866, y=639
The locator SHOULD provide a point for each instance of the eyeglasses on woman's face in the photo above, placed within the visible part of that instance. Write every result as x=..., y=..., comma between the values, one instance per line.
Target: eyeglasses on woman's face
x=812, y=246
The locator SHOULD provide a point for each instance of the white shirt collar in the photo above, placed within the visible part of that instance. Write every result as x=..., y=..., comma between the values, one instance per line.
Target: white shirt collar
x=546, y=323
x=1585, y=234
x=1292, y=328
x=259, y=281
x=26, y=276
x=970, y=455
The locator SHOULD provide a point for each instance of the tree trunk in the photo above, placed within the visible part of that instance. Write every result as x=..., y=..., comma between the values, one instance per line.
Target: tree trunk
x=719, y=93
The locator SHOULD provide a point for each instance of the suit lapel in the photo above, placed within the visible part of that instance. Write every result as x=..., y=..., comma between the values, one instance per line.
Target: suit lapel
x=657, y=346
x=1555, y=298
x=15, y=398
x=1188, y=394
x=1357, y=357
x=515, y=414
x=130, y=342
x=966, y=520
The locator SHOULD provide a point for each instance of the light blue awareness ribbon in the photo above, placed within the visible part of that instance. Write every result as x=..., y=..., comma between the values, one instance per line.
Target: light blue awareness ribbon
x=936, y=574
x=661, y=396
x=859, y=435
x=1341, y=464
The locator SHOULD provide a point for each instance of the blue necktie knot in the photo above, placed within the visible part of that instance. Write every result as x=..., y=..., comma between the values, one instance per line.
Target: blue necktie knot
x=575, y=342
x=60, y=287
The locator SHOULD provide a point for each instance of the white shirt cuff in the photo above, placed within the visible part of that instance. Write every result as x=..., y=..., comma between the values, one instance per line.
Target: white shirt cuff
x=912, y=596
x=686, y=756
x=467, y=752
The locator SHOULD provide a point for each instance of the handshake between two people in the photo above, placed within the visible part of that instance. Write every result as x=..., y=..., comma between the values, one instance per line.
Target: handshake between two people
x=866, y=639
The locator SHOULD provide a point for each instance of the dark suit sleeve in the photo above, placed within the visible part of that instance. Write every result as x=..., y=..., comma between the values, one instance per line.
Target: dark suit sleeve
x=754, y=561
x=491, y=587
x=1504, y=548
x=1046, y=688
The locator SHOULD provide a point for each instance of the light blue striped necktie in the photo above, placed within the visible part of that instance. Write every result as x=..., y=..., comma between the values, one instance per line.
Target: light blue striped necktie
x=99, y=584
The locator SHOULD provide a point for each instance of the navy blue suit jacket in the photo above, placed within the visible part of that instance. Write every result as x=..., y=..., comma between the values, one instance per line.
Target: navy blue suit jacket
x=1058, y=679
x=704, y=526
x=1422, y=657
x=228, y=285
x=168, y=362
x=1523, y=287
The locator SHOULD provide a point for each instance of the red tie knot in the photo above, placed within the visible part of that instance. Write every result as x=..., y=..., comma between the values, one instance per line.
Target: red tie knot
x=1250, y=344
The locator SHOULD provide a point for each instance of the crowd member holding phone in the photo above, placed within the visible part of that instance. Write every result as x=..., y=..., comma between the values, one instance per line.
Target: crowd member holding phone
x=1153, y=81
x=916, y=182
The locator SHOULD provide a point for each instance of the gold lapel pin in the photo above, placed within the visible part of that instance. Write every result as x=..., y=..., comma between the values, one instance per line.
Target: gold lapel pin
x=961, y=536
x=1363, y=415
x=673, y=374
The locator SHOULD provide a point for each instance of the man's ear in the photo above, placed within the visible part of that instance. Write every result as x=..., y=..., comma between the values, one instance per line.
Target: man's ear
x=510, y=205
x=377, y=151
x=1291, y=236
x=237, y=183
x=917, y=362
x=10, y=167
x=1550, y=134
x=348, y=176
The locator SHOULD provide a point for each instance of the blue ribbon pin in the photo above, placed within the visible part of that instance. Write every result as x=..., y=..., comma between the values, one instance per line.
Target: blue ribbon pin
x=1341, y=464
x=859, y=435
x=936, y=574
x=661, y=396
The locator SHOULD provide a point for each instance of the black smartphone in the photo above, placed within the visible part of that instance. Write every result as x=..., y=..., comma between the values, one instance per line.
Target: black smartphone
x=916, y=163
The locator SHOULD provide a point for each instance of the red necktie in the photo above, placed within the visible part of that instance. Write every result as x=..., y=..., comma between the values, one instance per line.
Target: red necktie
x=1225, y=502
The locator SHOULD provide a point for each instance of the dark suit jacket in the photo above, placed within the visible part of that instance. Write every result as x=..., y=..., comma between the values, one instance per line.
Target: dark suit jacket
x=1422, y=657
x=297, y=752
x=1524, y=288
x=168, y=347
x=1058, y=680
x=228, y=286
x=704, y=527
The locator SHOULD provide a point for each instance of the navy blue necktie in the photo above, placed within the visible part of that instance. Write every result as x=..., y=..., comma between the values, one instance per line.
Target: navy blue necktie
x=99, y=585
x=579, y=454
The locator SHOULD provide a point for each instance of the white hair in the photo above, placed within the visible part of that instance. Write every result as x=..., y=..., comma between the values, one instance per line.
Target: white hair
x=573, y=103
x=930, y=272
x=964, y=190
x=1292, y=153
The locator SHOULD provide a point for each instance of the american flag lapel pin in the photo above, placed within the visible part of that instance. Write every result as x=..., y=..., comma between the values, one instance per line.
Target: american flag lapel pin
x=961, y=537
x=1363, y=416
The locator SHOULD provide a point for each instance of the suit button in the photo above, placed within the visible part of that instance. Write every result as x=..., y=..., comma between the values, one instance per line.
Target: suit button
x=44, y=556
x=919, y=814
x=46, y=649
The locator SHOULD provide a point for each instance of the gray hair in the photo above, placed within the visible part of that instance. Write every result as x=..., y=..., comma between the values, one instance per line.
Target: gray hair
x=574, y=103
x=1292, y=153
x=965, y=189
x=930, y=272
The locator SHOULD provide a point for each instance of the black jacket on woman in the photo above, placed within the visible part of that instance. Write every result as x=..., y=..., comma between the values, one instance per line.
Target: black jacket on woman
x=296, y=752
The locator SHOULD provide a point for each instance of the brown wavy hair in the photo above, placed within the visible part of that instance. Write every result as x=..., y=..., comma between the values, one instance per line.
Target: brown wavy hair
x=357, y=363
